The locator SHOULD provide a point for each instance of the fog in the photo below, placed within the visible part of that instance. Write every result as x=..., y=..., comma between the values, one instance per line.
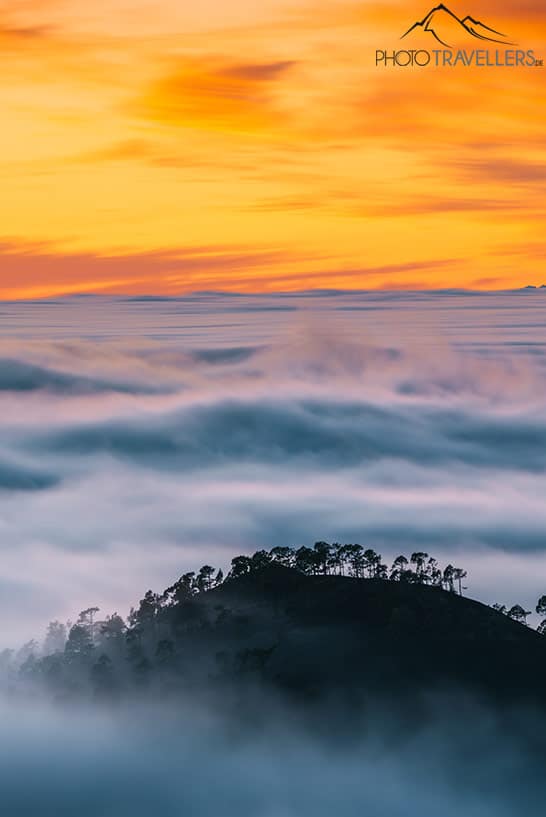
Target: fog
x=142, y=438
x=204, y=760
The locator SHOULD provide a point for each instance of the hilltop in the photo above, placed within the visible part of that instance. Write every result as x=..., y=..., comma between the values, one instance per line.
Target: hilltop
x=288, y=621
x=319, y=633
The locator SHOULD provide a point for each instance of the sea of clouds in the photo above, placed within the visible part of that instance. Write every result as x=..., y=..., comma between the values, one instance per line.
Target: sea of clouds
x=141, y=438
x=137, y=761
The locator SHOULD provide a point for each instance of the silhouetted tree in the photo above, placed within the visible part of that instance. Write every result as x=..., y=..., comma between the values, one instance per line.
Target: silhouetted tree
x=260, y=559
x=204, y=580
x=433, y=574
x=448, y=578
x=144, y=618
x=372, y=560
x=399, y=569
x=541, y=610
x=305, y=560
x=335, y=562
x=79, y=645
x=188, y=581
x=419, y=560
x=180, y=591
x=381, y=571
x=113, y=628
x=353, y=556
x=55, y=638
x=283, y=555
x=322, y=555
x=240, y=566
x=458, y=576
x=87, y=619
x=518, y=613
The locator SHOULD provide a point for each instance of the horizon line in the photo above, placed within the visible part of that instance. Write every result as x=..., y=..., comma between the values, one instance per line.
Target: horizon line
x=316, y=292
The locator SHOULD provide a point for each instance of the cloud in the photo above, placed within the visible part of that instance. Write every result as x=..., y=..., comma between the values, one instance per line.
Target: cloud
x=233, y=354
x=15, y=477
x=244, y=124
x=22, y=34
x=392, y=276
x=315, y=433
x=518, y=12
x=212, y=93
x=136, y=760
x=47, y=272
x=210, y=425
x=447, y=203
x=521, y=172
x=19, y=376
x=261, y=72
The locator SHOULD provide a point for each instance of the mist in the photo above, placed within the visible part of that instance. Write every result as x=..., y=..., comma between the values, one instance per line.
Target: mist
x=143, y=437
x=217, y=758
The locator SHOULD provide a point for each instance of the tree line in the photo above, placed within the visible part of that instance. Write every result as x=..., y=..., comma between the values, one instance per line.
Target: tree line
x=356, y=561
x=103, y=651
x=519, y=613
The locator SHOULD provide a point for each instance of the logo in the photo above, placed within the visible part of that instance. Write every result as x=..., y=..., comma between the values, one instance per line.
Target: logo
x=442, y=24
x=465, y=40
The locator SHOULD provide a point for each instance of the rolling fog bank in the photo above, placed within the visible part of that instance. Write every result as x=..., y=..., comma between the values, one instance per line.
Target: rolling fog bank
x=141, y=437
x=231, y=758
x=285, y=695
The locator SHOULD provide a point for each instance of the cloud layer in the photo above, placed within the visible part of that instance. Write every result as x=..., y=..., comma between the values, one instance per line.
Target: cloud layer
x=134, y=763
x=213, y=425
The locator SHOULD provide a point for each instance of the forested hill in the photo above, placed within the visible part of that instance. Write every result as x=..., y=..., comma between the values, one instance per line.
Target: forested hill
x=304, y=636
x=318, y=633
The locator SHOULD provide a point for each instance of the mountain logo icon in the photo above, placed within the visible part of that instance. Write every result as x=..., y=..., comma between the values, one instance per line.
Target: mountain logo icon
x=445, y=26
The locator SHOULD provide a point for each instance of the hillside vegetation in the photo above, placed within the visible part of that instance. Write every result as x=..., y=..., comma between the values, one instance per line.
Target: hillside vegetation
x=292, y=622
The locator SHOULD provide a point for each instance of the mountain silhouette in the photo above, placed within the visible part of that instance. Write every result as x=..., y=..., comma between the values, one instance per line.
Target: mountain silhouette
x=446, y=27
x=337, y=637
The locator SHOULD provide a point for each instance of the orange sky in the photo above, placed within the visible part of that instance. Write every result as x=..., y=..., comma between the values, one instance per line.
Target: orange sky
x=166, y=146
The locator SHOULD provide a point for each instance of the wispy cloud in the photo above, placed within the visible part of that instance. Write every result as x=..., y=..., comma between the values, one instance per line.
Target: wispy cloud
x=230, y=422
x=47, y=272
x=501, y=170
x=263, y=126
x=218, y=94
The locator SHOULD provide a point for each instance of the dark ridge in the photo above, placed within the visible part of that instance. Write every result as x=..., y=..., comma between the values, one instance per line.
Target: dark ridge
x=306, y=635
x=322, y=636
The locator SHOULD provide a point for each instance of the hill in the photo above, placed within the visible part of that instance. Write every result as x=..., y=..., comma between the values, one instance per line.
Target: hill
x=318, y=634
x=299, y=633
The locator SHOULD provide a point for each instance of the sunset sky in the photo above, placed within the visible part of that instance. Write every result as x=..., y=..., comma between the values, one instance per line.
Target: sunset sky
x=164, y=147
